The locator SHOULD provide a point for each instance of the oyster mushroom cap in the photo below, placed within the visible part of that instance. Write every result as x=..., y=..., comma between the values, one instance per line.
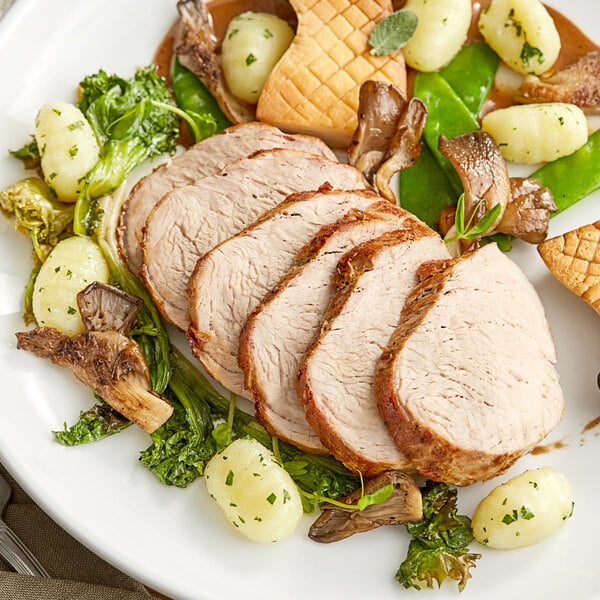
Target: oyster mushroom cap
x=387, y=138
x=109, y=363
x=105, y=307
x=578, y=83
x=483, y=173
x=403, y=506
x=527, y=215
x=195, y=45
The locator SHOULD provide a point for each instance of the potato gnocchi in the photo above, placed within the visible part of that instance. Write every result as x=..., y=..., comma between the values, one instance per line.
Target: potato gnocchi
x=252, y=45
x=72, y=265
x=255, y=492
x=442, y=30
x=68, y=148
x=535, y=133
x=524, y=510
x=522, y=33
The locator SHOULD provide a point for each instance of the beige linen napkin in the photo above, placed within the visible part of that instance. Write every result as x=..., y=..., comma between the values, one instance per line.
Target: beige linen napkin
x=76, y=573
x=5, y=5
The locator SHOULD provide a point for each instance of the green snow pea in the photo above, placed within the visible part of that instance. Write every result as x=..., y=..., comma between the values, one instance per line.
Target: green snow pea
x=572, y=178
x=197, y=102
x=454, y=97
x=471, y=75
x=447, y=115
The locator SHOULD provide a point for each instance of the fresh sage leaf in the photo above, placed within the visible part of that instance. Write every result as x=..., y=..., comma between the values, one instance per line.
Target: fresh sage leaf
x=393, y=32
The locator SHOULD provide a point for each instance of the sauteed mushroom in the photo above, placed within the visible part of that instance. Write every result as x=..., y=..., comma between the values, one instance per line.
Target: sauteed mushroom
x=526, y=205
x=387, y=138
x=196, y=47
x=578, y=83
x=105, y=359
x=403, y=506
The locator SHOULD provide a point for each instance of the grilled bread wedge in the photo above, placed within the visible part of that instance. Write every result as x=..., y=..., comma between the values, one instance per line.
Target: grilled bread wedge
x=315, y=85
x=574, y=259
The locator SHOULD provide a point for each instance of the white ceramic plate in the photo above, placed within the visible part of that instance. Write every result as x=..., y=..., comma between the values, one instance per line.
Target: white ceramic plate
x=177, y=540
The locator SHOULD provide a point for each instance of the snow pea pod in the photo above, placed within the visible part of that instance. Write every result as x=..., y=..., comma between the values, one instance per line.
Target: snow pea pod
x=195, y=100
x=447, y=115
x=424, y=189
x=572, y=178
x=471, y=75
x=454, y=97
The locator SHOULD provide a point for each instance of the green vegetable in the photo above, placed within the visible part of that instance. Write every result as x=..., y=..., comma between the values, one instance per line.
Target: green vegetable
x=446, y=115
x=572, y=178
x=201, y=110
x=391, y=33
x=98, y=422
x=480, y=62
x=439, y=548
x=321, y=475
x=470, y=230
x=29, y=155
x=37, y=213
x=426, y=188
x=133, y=120
x=150, y=331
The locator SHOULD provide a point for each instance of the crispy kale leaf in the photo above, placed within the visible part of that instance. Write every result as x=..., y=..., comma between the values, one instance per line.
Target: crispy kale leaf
x=98, y=422
x=186, y=442
x=133, y=120
x=439, y=548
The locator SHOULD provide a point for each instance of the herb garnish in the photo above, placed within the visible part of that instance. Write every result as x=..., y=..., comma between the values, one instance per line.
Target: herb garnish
x=470, y=230
x=393, y=32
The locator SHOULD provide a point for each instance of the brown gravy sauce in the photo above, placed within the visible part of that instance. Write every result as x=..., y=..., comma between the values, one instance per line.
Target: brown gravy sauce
x=548, y=447
x=591, y=425
x=574, y=43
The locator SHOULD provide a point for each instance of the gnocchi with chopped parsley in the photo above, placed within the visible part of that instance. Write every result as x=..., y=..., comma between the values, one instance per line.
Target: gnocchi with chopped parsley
x=254, y=491
x=535, y=133
x=253, y=44
x=522, y=33
x=68, y=148
x=72, y=265
x=524, y=510
x=442, y=30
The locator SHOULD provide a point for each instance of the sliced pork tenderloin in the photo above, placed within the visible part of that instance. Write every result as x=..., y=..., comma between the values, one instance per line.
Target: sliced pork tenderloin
x=280, y=329
x=229, y=282
x=337, y=373
x=190, y=221
x=204, y=158
x=468, y=384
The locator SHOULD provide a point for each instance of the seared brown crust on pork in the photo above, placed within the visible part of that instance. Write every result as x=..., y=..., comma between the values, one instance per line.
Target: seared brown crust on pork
x=335, y=377
x=231, y=279
x=280, y=329
x=467, y=384
x=204, y=158
x=191, y=220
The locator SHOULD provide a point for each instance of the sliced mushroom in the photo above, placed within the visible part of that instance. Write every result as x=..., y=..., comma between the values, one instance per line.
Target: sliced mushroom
x=195, y=45
x=527, y=215
x=483, y=173
x=403, y=506
x=578, y=83
x=387, y=138
x=107, y=308
x=108, y=362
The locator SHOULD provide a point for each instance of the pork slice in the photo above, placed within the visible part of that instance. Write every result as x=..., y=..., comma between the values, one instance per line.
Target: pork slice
x=337, y=373
x=191, y=220
x=468, y=384
x=230, y=280
x=280, y=329
x=204, y=158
